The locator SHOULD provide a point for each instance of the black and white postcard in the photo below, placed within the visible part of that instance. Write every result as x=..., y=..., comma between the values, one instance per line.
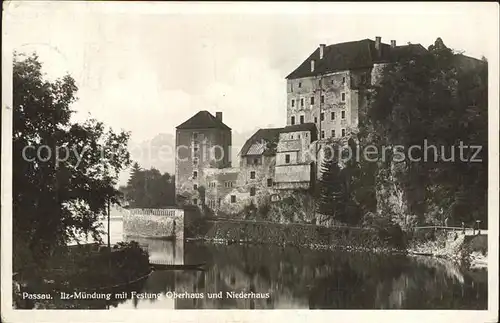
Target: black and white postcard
x=249, y=161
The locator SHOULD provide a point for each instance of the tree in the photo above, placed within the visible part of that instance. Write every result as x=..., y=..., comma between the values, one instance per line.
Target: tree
x=64, y=173
x=149, y=188
x=346, y=188
x=439, y=98
x=332, y=200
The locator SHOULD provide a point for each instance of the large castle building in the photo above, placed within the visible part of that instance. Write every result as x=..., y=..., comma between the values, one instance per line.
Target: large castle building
x=329, y=87
x=326, y=95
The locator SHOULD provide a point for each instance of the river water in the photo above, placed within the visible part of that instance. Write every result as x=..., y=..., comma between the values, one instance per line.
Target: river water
x=296, y=278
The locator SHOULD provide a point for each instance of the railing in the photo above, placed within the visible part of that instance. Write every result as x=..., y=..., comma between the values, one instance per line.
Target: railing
x=164, y=212
x=454, y=229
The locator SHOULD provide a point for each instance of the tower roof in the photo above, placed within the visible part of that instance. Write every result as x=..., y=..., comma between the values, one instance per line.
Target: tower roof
x=203, y=120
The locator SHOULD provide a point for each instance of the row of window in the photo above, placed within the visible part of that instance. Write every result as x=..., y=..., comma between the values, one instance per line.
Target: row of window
x=332, y=133
x=320, y=83
x=322, y=99
x=322, y=117
x=298, y=136
x=211, y=184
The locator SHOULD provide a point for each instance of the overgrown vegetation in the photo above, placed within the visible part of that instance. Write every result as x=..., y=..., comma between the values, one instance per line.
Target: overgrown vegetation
x=83, y=268
x=148, y=188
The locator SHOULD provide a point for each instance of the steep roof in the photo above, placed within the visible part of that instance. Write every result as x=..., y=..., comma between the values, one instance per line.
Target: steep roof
x=302, y=127
x=203, y=120
x=255, y=145
x=352, y=55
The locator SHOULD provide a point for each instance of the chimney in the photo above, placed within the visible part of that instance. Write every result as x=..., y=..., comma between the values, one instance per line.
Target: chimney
x=378, y=44
x=393, y=43
x=218, y=116
x=312, y=65
x=321, y=50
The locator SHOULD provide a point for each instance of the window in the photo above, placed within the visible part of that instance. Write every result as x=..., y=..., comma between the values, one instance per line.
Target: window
x=320, y=82
x=219, y=201
x=233, y=198
x=322, y=99
x=343, y=132
x=301, y=119
x=195, y=149
x=293, y=103
x=343, y=114
x=343, y=97
x=307, y=134
x=252, y=175
x=287, y=159
x=291, y=136
x=195, y=135
x=333, y=133
x=343, y=80
x=322, y=134
x=195, y=201
x=315, y=119
x=322, y=116
x=302, y=102
x=332, y=115
x=228, y=184
x=300, y=85
x=252, y=191
x=195, y=187
x=256, y=161
x=298, y=136
x=363, y=79
x=291, y=87
x=195, y=161
x=292, y=121
x=269, y=182
x=312, y=100
x=195, y=175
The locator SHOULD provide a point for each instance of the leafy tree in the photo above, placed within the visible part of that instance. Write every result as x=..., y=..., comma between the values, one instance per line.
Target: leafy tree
x=149, y=188
x=439, y=98
x=55, y=200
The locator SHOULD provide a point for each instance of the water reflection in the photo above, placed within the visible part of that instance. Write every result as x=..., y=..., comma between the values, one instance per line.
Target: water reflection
x=301, y=278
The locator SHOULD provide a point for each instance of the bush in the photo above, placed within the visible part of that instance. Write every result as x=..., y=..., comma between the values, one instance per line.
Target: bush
x=388, y=231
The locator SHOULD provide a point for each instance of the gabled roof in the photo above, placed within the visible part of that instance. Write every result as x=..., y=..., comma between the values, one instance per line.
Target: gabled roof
x=352, y=55
x=203, y=120
x=256, y=144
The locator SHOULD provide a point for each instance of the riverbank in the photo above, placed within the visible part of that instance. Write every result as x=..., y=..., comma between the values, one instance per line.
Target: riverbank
x=468, y=251
x=85, y=269
x=296, y=234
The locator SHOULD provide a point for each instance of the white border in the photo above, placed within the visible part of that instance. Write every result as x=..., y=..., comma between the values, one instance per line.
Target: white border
x=489, y=10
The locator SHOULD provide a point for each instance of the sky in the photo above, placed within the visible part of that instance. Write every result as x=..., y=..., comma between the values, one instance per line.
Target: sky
x=148, y=67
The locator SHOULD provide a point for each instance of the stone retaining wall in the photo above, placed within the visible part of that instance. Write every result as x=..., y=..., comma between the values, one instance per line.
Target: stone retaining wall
x=300, y=235
x=154, y=223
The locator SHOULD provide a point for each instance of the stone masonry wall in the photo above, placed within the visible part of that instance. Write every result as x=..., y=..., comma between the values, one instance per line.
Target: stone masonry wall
x=154, y=223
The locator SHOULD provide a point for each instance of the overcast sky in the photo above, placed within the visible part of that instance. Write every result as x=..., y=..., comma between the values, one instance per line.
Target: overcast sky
x=147, y=67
